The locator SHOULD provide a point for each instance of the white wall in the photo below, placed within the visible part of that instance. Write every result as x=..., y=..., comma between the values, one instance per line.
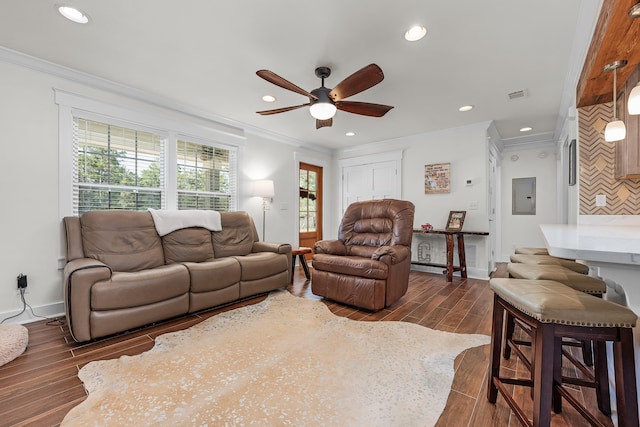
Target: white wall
x=524, y=230
x=466, y=149
x=30, y=225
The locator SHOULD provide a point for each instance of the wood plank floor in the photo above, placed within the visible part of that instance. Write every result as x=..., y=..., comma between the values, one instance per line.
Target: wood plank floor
x=41, y=386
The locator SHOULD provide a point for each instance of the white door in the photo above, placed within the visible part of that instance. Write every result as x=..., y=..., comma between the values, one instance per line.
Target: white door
x=368, y=182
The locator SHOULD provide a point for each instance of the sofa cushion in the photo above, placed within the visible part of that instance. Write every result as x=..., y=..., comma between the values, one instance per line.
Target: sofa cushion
x=124, y=240
x=262, y=264
x=188, y=245
x=126, y=290
x=237, y=235
x=213, y=275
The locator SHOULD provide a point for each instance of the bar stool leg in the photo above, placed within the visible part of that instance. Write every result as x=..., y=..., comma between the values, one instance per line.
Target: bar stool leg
x=510, y=326
x=496, y=342
x=625, y=372
x=543, y=378
x=601, y=374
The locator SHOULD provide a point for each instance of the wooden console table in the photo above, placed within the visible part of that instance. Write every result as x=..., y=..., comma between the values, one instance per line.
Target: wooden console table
x=462, y=261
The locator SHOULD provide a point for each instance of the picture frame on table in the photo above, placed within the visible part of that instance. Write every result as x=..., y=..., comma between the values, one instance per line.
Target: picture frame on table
x=455, y=221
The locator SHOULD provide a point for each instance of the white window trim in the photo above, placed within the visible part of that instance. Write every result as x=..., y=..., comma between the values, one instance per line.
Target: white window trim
x=71, y=105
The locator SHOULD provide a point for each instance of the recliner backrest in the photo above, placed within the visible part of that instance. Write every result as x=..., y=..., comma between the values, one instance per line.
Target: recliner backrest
x=370, y=224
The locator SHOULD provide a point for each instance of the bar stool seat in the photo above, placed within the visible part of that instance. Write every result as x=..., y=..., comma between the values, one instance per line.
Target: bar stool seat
x=577, y=281
x=552, y=310
x=532, y=251
x=550, y=260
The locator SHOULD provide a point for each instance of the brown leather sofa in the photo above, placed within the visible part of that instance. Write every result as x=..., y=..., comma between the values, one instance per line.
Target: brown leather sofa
x=368, y=266
x=120, y=274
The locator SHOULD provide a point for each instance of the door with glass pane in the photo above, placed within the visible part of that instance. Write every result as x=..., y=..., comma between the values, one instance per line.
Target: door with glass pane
x=310, y=205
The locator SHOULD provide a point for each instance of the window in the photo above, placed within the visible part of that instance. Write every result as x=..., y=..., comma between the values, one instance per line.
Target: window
x=117, y=168
x=308, y=199
x=120, y=167
x=204, y=179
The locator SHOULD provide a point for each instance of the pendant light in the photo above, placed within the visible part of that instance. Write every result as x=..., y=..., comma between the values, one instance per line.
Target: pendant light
x=615, y=130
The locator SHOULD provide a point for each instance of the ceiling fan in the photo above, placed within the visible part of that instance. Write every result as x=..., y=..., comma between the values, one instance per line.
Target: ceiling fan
x=323, y=102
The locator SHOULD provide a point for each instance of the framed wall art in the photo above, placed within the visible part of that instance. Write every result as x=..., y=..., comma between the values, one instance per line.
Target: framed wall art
x=437, y=179
x=455, y=221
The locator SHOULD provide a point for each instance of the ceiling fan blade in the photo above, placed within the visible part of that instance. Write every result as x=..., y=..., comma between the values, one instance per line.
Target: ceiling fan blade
x=364, y=108
x=282, y=110
x=272, y=77
x=323, y=123
x=362, y=79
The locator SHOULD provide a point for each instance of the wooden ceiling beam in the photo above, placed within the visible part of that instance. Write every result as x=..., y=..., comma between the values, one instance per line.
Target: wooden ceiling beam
x=616, y=37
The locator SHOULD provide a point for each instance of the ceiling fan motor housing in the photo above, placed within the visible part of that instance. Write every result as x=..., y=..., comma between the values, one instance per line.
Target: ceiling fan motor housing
x=323, y=95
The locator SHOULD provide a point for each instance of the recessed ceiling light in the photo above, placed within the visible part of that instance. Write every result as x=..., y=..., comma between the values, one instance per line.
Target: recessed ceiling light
x=73, y=14
x=466, y=108
x=350, y=134
x=268, y=98
x=525, y=129
x=415, y=33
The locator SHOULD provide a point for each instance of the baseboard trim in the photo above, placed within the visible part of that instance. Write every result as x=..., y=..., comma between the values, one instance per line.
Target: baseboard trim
x=42, y=312
x=472, y=273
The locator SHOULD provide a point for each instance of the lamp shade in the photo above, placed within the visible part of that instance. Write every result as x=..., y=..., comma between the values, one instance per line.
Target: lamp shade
x=633, y=105
x=322, y=110
x=263, y=188
x=615, y=131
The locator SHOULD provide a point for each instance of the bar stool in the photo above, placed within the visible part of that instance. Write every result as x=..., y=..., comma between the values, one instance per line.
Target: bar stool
x=532, y=251
x=580, y=282
x=550, y=260
x=552, y=311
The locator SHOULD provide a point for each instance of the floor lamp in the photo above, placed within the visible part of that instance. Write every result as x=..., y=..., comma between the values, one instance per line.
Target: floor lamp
x=263, y=188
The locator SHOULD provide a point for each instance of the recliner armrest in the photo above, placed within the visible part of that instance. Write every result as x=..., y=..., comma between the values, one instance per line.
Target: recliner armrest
x=396, y=253
x=333, y=247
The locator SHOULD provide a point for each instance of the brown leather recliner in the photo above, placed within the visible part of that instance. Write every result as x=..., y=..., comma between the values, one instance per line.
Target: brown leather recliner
x=368, y=266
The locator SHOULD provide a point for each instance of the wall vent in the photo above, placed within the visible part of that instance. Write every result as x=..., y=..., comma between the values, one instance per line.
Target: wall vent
x=518, y=94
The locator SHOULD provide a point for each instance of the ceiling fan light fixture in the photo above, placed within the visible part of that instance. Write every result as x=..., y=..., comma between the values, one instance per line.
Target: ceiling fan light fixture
x=415, y=33
x=633, y=105
x=323, y=110
x=73, y=14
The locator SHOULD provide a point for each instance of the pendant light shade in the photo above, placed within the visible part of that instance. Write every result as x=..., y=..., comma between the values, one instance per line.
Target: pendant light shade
x=633, y=105
x=615, y=130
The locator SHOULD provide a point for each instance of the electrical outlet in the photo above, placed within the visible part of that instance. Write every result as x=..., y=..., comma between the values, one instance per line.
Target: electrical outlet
x=601, y=200
x=22, y=281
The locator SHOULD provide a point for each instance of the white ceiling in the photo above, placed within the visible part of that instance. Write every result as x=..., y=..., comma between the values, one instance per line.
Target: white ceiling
x=204, y=54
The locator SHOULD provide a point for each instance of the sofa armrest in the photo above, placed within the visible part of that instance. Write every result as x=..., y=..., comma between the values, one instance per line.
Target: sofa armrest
x=279, y=248
x=332, y=247
x=391, y=254
x=79, y=277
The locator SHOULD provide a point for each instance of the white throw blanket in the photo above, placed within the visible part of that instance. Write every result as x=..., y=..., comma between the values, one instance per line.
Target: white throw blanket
x=168, y=221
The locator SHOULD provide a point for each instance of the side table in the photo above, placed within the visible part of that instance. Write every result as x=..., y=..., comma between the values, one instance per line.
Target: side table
x=300, y=253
